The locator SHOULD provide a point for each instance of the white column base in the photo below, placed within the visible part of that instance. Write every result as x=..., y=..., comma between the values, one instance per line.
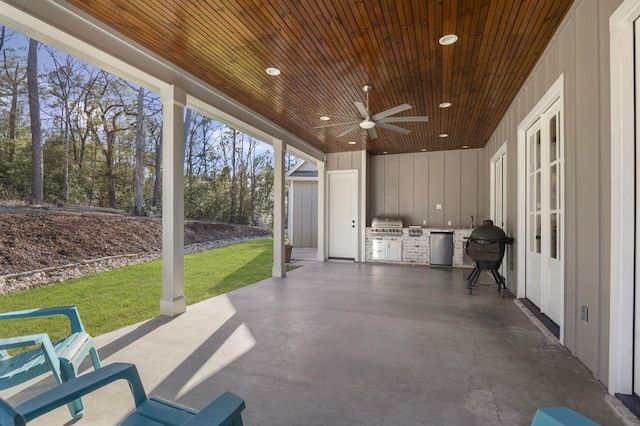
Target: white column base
x=278, y=271
x=173, y=308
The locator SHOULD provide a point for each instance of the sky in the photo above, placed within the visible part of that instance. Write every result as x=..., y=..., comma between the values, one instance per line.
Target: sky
x=20, y=44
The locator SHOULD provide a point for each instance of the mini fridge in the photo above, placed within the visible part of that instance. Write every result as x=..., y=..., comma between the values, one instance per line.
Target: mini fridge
x=441, y=248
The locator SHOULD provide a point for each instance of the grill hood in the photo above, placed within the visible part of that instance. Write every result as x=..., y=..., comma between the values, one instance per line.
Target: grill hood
x=386, y=222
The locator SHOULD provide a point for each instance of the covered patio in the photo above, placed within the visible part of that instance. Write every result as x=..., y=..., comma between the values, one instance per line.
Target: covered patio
x=345, y=343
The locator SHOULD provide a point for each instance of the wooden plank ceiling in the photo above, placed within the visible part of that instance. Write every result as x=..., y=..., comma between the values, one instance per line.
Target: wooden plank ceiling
x=328, y=50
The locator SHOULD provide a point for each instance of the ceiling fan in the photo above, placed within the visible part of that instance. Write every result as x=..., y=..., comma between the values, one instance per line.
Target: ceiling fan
x=370, y=121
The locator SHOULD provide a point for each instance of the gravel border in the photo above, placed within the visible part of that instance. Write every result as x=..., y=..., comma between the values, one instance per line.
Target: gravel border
x=56, y=274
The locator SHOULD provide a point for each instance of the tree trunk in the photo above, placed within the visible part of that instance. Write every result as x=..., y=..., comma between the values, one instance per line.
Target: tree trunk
x=138, y=176
x=158, y=169
x=36, y=131
x=253, y=187
x=232, y=218
x=13, y=111
x=109, y=154
x=188, y=141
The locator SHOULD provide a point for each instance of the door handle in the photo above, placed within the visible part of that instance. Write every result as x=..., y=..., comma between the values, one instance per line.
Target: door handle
x=538, y=237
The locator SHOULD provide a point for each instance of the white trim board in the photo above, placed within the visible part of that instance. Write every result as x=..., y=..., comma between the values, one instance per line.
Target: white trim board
x=622, y=279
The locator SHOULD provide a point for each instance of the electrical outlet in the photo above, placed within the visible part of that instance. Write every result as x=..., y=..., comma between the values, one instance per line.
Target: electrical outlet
x=584, y=313
x=438, y=206
x=449, y=223
x=424, y=221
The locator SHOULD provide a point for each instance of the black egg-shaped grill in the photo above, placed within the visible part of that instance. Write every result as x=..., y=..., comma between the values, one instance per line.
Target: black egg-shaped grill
x=486, y=247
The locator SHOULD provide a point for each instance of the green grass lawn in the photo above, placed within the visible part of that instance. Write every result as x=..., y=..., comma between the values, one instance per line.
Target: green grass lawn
x=120, y=297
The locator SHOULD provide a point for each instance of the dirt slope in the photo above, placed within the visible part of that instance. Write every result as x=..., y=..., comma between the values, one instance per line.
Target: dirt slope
x=32, y=238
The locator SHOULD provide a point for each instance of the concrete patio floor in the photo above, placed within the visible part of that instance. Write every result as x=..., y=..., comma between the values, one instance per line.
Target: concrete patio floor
x=357, y=344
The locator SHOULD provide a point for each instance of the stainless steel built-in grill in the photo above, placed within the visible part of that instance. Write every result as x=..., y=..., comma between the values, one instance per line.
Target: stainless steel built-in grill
x=386, y=226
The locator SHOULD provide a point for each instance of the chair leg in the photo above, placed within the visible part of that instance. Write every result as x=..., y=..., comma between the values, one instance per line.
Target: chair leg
x=95, y=359
x=68, y=372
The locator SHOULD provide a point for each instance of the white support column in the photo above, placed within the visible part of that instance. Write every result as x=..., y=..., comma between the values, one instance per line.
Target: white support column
x=362, y=187
x=279, y=149
x=173, y=102
x=322, y=250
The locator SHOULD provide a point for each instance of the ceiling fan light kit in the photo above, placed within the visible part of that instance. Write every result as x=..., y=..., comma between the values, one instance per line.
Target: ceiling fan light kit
x=367, y=124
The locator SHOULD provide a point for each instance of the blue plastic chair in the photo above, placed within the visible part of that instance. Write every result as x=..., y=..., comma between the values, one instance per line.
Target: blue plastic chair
x=560, y=416
x=224, y=410
x=62, y=357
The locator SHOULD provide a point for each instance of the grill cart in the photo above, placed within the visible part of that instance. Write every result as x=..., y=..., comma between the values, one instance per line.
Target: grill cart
x=486, y=247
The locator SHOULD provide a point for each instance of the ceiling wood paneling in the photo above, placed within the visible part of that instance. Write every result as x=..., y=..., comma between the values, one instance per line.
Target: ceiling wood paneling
x=329, y=49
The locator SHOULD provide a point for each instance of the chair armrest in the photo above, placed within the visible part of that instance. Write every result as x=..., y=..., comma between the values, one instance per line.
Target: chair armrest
x=70, y=312
x=87, y=383
x=222, y=411
x=46, y=347
x=18, y=342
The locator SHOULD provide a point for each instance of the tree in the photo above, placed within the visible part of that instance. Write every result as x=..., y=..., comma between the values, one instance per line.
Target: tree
x=138, y=176
x=67, y=85
x=37, y=196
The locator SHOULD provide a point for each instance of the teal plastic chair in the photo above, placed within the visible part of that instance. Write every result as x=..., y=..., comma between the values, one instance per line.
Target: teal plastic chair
x=560, y=416
x=62, y=358
x=224, y=411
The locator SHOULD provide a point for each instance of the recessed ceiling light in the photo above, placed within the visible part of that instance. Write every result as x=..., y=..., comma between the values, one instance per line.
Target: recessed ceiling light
x=384, y=152
x=448, y=39
x=273, y=71
x=325, y=118
x=465, y=146
x=351, y=143
x=445, y=105
x=443, y=135
x=423, y=149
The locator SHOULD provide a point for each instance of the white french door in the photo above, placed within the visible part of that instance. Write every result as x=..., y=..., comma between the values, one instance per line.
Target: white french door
x=545, y=213
x=343, y=214
x=498, y=193
x=533, y=288
x=553, y=215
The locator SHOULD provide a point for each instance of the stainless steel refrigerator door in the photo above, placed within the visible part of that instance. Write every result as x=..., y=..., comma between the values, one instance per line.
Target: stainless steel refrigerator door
x=441, y=248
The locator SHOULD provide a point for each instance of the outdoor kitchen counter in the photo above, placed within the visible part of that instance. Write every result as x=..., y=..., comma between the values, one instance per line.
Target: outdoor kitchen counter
x=415, y=249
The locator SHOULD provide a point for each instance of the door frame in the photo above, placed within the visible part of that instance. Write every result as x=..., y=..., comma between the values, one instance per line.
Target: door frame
x=500, y=153
x=554, y=93
x=623, y=244
x=355, y=173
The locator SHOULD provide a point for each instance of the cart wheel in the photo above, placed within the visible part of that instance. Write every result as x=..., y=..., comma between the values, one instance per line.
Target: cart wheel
x=470, y=289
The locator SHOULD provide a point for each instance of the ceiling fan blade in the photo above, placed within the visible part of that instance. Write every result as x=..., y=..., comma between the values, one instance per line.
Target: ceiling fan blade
x=390, y=111
x=362, y=110
x=394, y=128
x=337, y=124
x=404, y=119
x=372, y=133
x=351, y=129
x=332, y=116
